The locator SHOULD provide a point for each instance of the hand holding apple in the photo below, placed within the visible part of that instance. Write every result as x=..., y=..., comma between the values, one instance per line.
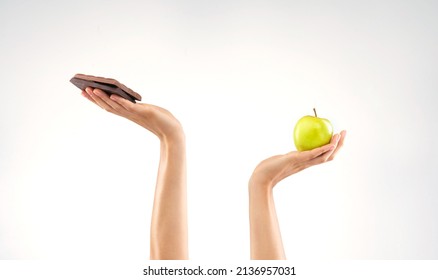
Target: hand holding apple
x=274, y=169
x=266, y=242
x=312, y=132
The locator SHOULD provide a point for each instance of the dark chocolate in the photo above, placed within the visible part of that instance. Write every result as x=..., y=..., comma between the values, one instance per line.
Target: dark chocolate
x=110, y=86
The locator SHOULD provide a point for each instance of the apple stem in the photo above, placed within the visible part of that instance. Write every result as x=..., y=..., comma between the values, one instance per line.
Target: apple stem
x=315, y=113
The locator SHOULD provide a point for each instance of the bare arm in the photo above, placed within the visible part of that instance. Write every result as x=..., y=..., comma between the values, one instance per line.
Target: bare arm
x=169, y=234
x=266, y=242
x=169, y=215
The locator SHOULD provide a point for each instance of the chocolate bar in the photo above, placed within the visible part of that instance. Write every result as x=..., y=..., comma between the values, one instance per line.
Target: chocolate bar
x=110, y=86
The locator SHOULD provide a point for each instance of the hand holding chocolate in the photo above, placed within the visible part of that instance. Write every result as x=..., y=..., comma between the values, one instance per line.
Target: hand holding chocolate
x=110, y=86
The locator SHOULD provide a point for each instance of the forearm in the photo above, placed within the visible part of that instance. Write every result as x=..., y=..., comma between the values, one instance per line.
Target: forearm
x=169, y=237
x=266, y=243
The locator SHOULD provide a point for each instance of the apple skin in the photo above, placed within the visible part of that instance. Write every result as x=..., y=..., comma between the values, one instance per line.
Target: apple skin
x=312, y=132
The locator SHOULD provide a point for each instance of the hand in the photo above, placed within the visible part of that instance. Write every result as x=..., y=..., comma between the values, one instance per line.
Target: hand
x=157, y=120
x=274, y=169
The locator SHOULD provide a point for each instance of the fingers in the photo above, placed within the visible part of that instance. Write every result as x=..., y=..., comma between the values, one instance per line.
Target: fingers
x=334, y=141
x=339, y=145
x=86, y=95
x=102, y=99
x=109, y=103
x=98, y=100
x=106, y=99
x=328, y=156
x=309, y=155
x=127, y=105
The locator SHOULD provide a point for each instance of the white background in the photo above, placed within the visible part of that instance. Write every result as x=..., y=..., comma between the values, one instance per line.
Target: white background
x=78, y=183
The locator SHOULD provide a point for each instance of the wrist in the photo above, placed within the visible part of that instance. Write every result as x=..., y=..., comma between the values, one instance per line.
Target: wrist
x=173, y=145
x=176, y=138
x=260, y=184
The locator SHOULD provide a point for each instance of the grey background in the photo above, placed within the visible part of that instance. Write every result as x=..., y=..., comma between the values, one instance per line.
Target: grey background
x=238, y=74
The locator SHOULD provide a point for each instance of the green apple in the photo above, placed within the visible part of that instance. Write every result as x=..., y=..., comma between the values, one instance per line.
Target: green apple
x=312, y=132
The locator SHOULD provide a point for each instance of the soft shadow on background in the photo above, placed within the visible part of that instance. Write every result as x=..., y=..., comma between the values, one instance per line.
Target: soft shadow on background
x=77, y=182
